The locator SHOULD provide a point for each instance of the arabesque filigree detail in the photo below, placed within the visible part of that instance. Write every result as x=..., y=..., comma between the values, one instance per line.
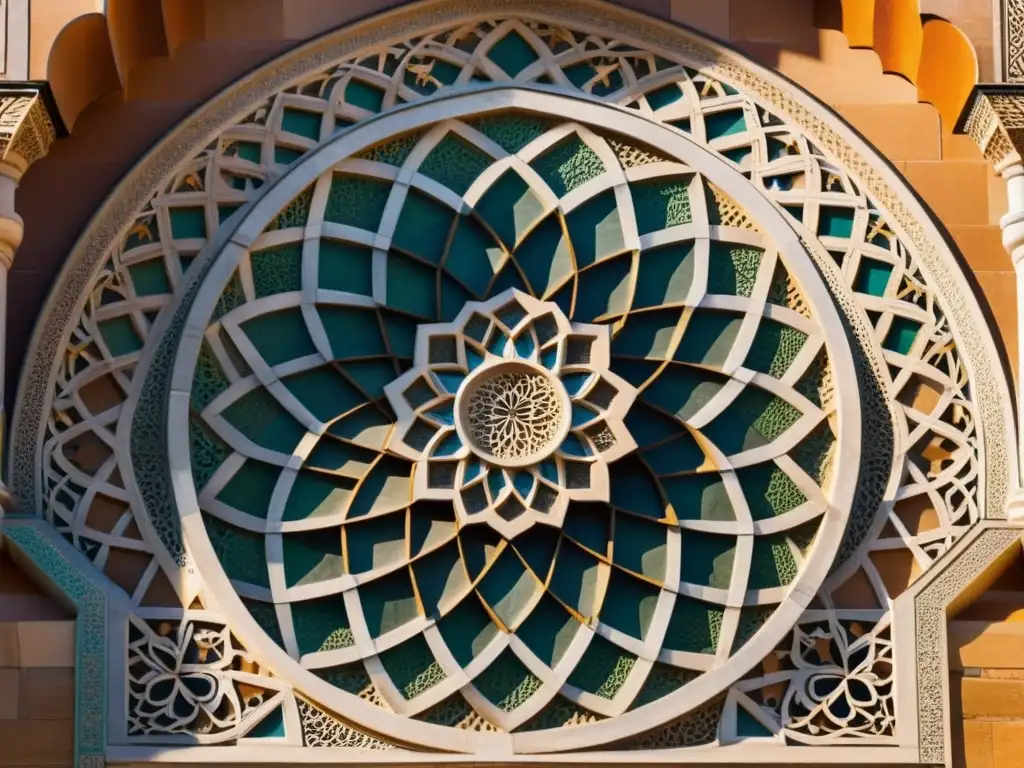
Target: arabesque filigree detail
x=922, y=323
x=190, y=679
x=843, y=682
x=515, y=414
x=510, y=411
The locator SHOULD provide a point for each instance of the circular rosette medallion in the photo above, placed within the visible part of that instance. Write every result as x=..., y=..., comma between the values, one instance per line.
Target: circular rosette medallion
x=510, y=411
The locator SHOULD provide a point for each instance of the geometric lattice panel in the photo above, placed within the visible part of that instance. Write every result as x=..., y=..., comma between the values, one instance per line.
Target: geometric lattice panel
x=649, y=495
x=539, y=380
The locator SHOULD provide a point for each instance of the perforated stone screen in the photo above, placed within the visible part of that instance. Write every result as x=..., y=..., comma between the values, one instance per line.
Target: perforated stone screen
x=662, y=492
x=511, y=377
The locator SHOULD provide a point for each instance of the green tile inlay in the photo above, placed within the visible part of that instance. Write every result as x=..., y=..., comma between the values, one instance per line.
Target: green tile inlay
x=301, y=122
x=188, y=223
x=901, y=336
x=512, y=53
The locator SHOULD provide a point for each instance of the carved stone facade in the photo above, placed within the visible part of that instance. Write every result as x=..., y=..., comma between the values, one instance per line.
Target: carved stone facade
x=1012, y=40
x=499, y=379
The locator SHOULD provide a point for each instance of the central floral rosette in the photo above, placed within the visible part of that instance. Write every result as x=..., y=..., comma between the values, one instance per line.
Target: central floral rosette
x=512, y=414
x=510, y=411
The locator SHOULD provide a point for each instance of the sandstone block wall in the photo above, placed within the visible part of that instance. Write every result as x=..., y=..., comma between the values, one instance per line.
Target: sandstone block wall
x=37, y=675
x=986, y=662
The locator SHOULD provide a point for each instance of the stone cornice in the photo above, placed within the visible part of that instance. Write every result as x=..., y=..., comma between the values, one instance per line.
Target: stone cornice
x=29, y=122
x=994, y=118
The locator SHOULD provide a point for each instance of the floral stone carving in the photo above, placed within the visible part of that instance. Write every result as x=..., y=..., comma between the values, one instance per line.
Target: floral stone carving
x=510, y=412
x=844, y=681
x=191, y=679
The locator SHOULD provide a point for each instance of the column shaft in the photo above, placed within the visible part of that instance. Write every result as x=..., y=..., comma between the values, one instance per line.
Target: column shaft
x=1012, y=225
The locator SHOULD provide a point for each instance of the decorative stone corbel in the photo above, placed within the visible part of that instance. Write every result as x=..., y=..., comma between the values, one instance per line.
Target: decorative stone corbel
x=29, y=124
x=994, y=118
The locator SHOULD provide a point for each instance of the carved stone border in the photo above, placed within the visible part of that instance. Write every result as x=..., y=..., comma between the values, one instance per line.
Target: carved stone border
x=220, y=264
x=69, y=572
x=16, y=39
x=966, y=564
x=1010, y=25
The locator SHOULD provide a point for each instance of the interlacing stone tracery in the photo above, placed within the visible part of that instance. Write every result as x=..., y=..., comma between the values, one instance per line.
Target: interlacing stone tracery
x=510, y=411
x=356, y=558
x=189, y=679
x=620, y=557
x=514, y=415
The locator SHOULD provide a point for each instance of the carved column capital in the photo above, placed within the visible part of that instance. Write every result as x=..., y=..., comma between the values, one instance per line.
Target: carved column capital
x=29, y=123
x=994, y=118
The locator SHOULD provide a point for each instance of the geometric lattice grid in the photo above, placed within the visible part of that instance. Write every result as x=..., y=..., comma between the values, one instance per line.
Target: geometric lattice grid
x=705, y=527
x=78, y=484
x=841, y=685
x=927, y=412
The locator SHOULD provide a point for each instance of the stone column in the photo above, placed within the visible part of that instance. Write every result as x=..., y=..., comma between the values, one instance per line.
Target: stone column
x=29, y=124
x=994, y=118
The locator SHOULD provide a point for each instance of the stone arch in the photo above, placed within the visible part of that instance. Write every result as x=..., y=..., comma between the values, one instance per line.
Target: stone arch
x=130, y=426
